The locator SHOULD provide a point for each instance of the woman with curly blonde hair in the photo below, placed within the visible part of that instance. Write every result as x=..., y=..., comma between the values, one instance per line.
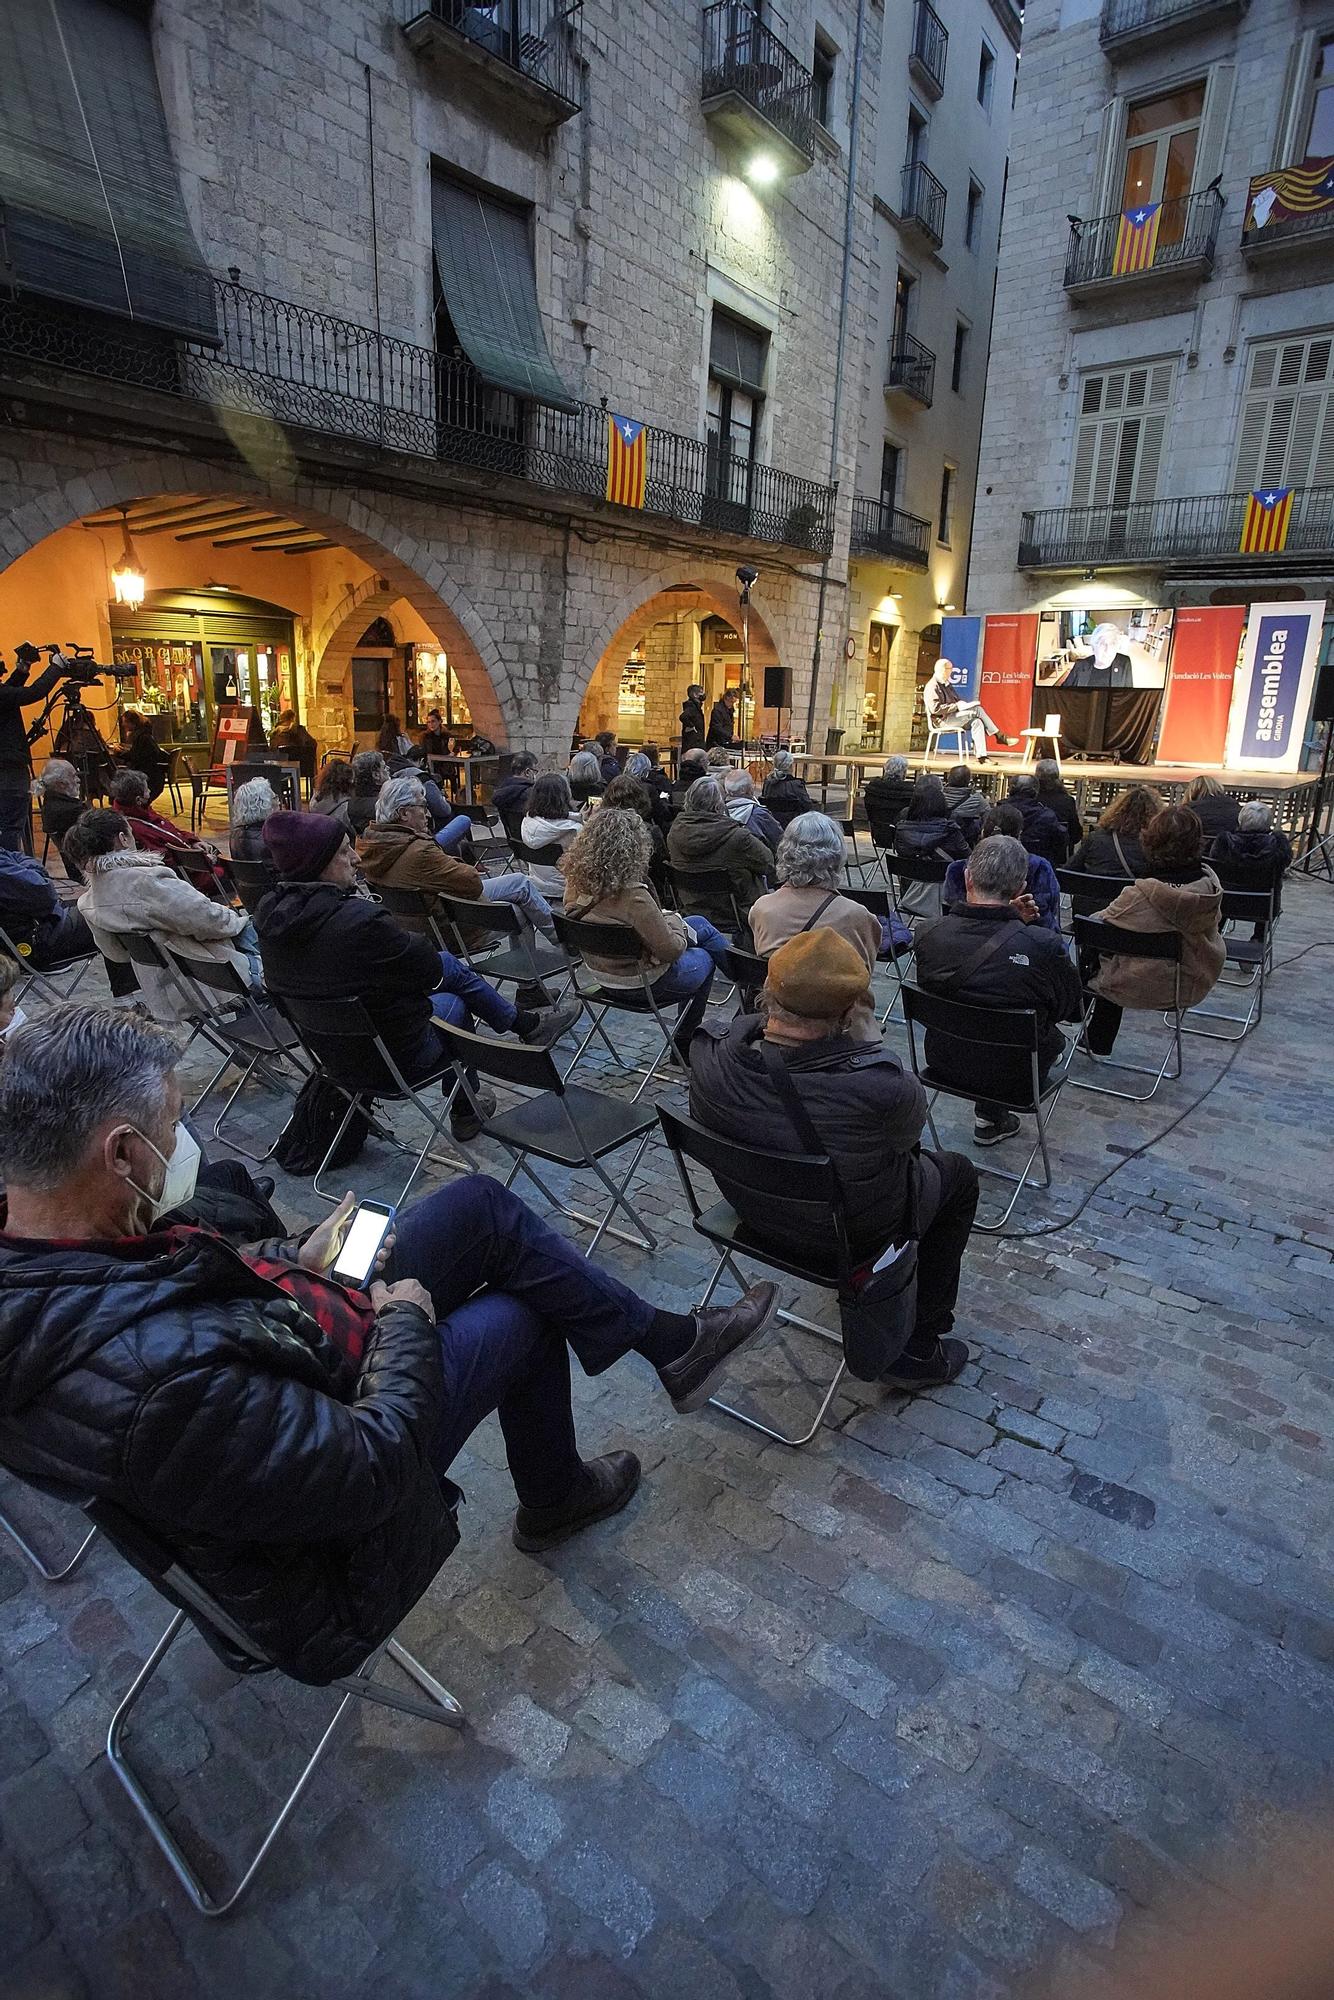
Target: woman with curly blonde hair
x=606, y=882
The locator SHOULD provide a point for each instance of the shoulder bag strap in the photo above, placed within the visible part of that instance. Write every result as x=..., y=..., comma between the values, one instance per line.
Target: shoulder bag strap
x=1121, y=856
x=987, y=949
x=804, y=1127
x=816, y=914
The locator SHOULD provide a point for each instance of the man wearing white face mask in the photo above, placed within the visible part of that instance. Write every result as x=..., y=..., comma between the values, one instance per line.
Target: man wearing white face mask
x=286, y=1435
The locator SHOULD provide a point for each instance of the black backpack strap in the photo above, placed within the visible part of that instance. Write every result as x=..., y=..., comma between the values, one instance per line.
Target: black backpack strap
x=998, y=939
x=804, y=1126
x=819, y=910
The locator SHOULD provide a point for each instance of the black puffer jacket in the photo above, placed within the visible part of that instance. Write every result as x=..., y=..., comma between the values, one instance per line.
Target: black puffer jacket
x=1103, y=852
x=1043, y=832
x=786, y=799
x=166, y=1376
x=1029, y=968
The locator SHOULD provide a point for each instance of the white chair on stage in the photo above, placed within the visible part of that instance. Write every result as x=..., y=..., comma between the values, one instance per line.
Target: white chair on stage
x=1051, y=732
x=934, y=731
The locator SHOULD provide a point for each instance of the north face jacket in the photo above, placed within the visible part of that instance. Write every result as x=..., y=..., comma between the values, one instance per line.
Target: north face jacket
x=1031, y=968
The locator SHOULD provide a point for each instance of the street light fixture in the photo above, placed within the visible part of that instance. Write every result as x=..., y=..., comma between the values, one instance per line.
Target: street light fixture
x=128, y=581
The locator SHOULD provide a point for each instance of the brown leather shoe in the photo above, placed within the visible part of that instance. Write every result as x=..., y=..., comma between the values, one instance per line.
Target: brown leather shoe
x=719, y=1332
x=608, y=1483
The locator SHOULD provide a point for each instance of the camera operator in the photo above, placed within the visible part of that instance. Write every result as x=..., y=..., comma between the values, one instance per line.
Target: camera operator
x=16, y=694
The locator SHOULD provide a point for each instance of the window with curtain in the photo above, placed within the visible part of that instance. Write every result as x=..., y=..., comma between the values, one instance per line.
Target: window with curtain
x=1320, y=118
x=1119, y=441
x=1286, y=434
x=488, y=285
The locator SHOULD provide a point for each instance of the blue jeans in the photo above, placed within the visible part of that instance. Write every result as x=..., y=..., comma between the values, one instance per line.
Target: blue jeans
x=463, y=993
x=454, y=832
x=246, y=942
x=689, y=980
x=533, y=907
x=509, y=1293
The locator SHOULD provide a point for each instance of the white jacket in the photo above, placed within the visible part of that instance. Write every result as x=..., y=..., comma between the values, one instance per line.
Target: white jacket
x=548, y=833
x=134, y=891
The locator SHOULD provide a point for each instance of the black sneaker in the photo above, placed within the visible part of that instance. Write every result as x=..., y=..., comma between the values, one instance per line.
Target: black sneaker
x=551, y=1024
x=607, y=1484
x=464, y=1122
x=719, y=1332
x=928, y=1371
x=990, y=1132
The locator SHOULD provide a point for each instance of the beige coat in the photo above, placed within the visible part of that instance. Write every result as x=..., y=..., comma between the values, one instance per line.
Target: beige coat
x=780, y=916
x=662, y=935
x=133, y=891
x=1191, y=909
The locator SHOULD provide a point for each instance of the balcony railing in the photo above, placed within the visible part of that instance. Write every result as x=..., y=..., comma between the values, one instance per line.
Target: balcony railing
x=532, y=40
x=746, y=65
x=1177, y=239
x=1289, y=208
x=912, y=368
x=881, y=530
x=924, y=202
x=287, y=364
x=1202, y=527
x=1130, y=23
x=929, y=48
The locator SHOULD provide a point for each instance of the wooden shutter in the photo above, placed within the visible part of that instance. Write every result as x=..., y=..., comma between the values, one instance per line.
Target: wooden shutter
x=1289, y=137
x=1218, y=94
x=1119, y=441
x=1110, y=165
x=1286, y=435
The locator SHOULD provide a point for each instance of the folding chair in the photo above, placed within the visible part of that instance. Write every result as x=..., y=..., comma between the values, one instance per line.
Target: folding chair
x=254, y=1036
x=253, y=879
x=565, y=1123
x=857, y=859
x=1096, y=938
x=765, y=1174
x=622, y=945
x=747, y=972
x=1254, y=956
x=1094, y=891
x=878, y=902
x=1010, y=1037
x=43, y=1568
x=522, y=962
x=227, y=1639
x=903, y=870
x=191, y=864
x=707, y=892
x=348, y=1050
x=46, y=980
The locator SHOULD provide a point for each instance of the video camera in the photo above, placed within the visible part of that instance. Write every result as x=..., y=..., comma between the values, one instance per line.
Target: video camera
x=75, y=662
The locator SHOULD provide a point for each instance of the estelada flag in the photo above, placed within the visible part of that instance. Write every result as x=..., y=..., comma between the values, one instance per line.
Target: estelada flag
x=627, y=460
x=1264, y=530
x=1136, y=239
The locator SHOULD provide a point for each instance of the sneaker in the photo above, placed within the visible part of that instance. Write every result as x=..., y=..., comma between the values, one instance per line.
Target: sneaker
x=607, y=1484
x=464, y=1122
x=552, y=1023
x=989, y=1132
x=719, y=1332
x=928, y=1371
x=1007, y=740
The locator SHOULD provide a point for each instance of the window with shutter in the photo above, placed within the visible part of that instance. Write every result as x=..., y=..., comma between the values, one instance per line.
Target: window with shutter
x=1286, y=433
x=1119, y=441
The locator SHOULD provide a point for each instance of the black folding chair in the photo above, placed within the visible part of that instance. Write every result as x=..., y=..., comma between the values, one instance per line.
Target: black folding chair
x=522, y=962
x=1253, y=956
x=904, y=870
x=239, y=1652
x=257, y=1037
x=1094, y=937
x=899, y=957
x=747, y=972
x=565, y=1123
x=47, y=980
x=253, y=879
x=1010, y=1037
x=1095, y=892
x=348, y=1049
x=39, y=1563
x=621, y=945
x=857, y=859
x=765, y=1175
x=707, y=892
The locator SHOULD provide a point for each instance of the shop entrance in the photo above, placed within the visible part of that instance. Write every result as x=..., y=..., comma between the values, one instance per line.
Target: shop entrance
x=194, y=651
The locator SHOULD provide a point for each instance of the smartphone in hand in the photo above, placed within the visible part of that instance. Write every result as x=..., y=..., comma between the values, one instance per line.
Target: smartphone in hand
x=371, y=1223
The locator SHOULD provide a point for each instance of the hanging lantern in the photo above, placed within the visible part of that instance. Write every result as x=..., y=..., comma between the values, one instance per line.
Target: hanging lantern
x=128, y=581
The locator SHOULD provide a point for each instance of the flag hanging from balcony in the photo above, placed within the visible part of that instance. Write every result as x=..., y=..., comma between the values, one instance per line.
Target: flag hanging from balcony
x=627, y=460
x=1136, y=239
x=1264, y=530
x=1288, y=194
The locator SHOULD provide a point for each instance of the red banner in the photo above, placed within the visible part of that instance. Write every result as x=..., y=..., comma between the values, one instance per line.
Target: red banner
x=1205, y=646
x=1009, y=654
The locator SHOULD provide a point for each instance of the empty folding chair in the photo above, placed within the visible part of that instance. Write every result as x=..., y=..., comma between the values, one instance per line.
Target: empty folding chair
x=1010, y=1037
x=39, y=1562
x=1095, y=938
x=253, y=879
x=46, y=982
x=708, y=892
x=615, y=942
x=1253, y=956
x=904, y=872
x=862, y=863
x=470, y=928
x=1089, y=893
x=747, y=972
x=257, y=1037
x=564, y=1123
x=233, y=1646
x=899, y=957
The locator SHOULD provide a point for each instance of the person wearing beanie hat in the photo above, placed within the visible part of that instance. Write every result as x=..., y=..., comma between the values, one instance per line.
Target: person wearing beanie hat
x=869, y=1114
x=322, y=935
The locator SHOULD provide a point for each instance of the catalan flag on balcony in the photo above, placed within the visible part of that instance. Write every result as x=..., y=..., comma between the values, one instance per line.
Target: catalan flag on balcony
x=627, y=460
x=1136, y=239
x=1264, y=530
x=1285, y=194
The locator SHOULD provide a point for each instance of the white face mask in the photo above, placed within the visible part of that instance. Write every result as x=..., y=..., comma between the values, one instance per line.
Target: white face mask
x=182, y=1171
x=16, y=1021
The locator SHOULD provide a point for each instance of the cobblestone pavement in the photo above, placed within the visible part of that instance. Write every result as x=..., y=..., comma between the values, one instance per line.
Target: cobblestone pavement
x=951, y=1695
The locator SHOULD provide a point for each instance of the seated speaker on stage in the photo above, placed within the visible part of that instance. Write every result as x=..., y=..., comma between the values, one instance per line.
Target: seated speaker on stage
x=944, y=710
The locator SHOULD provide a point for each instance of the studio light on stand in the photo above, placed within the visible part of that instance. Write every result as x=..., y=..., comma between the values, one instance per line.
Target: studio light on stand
x=128, y=581
x=745, y=576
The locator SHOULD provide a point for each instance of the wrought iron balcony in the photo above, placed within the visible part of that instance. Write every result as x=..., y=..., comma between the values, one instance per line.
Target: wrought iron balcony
x=528, y=50
x=754, y=89
x=912, y=369
x=929, y=49
x=923, y=202
x=1287, y=209
x=881, y=530
x=1162, y=534
x=1134, y=24
x=287, y=365
x=1177, y=239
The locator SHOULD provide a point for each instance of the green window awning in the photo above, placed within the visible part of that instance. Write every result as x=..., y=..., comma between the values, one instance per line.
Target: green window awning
x=484, y=254
x=90, y=200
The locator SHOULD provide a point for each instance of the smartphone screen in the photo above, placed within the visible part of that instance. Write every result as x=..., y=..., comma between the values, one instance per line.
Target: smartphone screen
x=365, y=1233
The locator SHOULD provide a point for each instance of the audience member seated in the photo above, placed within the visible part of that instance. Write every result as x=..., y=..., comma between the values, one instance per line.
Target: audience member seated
x=60, y=798
x=133, y=889
x=965, y=803
x=333, y=791
x=991, y=951
x=1043, y=832
x=370, y=774
x=1254, y=857
x=435, y=738
x=606, y=882
x=297, y=744
x=510, y=797
x=811, y=862
x=609, y=764
x=45, y=931
x=143, y=753
x=886, y=799
x=550, y=821
x=154, y=833
x=694, y=764
x=1177, y=892
x=252, y=803
x=1112, y=847
x=925, y=832
x=1216, y=810
x=1053, y=794
x=746, y=810
x=371, y=771
x=703, y=837
x=287, y=1437
x=585, y=777
x=1042, y=884
x=643, y=765
x=323, y=935
x=869, y=1114
x=717, y=759
x=393, y=743
x=629, y=795
x=783, y=793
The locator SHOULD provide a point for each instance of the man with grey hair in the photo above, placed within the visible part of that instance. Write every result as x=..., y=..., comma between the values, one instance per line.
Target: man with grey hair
x=746, y=810
x=60, y=797
x=945, y=709
x=887, y=798
x=994, y=951
x=1254, y=857
x=286, y=1435
x=783, y=792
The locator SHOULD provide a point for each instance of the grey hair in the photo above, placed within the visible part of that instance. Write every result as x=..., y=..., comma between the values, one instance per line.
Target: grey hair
x=896, y=767
x=585, y=768
x=1046, y=770
x=68, y=1073
x=369, y=771
x=637, y=765
x=783, y=763
x=128, y=786
x=998, y=867
x=705, y=799
x=58, y=776
x=811, y=853
x=739, y=785
x=1025, y=786
x=252, y=802
x=396, y=796
x=1256, y=816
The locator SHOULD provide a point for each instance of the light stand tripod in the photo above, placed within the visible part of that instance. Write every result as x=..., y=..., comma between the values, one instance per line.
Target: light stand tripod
x=745, y=577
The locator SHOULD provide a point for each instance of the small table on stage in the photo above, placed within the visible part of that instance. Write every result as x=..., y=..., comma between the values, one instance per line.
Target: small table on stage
x=463, y=766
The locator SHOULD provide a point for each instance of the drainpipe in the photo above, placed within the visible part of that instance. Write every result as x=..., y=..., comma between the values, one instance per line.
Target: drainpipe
x=845, y=287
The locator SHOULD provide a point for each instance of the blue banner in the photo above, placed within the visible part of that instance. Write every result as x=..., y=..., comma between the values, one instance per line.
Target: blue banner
x=1274, y=684
x=961, y=644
